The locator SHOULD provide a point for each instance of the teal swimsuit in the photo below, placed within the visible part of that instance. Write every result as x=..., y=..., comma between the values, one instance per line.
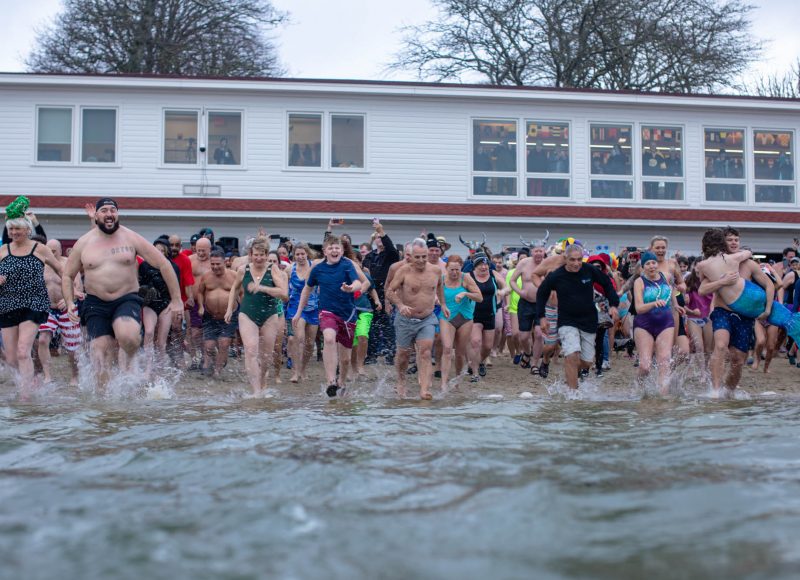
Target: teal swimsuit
x=465, y=308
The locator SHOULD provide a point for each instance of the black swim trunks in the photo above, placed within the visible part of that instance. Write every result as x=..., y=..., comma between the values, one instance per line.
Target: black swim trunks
x=98, y=316
x=526, y=313
x=216, y=328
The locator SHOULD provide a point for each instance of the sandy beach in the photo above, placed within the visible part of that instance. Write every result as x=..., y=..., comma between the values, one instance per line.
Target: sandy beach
x=503, y=380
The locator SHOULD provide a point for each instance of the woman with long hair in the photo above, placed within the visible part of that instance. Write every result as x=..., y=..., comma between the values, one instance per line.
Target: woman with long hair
x=303, y=336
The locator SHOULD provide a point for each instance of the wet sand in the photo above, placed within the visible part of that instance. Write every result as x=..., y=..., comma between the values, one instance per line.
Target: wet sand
x=503, y=380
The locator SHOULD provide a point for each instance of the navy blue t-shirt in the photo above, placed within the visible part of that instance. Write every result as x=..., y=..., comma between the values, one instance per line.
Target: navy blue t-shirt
x=329, y=278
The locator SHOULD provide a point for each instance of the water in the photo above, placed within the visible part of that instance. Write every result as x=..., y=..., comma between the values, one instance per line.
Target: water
x=543, y=487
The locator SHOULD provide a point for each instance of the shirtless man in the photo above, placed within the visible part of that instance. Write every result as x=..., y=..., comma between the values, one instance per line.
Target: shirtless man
x=724, y=275
x=526, y=310
x=201, y=265
x=212, y=295
x=112, y=308
x=414, y=290
x=58, y=319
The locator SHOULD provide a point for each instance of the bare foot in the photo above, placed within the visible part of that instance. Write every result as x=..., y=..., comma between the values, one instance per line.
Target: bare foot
x=294, y=379
x=400, y=390
x=425, y=396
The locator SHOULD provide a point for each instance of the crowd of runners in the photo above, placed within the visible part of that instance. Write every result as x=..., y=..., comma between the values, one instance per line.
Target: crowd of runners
x=437, y=315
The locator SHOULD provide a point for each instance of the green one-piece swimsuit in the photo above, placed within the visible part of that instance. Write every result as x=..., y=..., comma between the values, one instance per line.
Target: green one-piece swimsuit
x=259, y=307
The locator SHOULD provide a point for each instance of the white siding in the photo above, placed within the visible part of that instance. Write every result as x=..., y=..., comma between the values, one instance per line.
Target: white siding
x=417, y=147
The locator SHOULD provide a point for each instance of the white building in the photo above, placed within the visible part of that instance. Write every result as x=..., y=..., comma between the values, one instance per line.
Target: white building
x=608, y=168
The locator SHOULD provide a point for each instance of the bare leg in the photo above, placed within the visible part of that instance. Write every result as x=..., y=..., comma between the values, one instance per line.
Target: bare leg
x=538, y=344
x=775, y=336
x=310, y=341
x=424, y=367
x=330, y=355
x=401, y=365
x=716, y=363
x=738, y=358
x=462, y=340
x=298, y=350
x=448, y=336
x=645, y=345
x=344, y=364
x=761, y=342
x=44, y=354
x=571, y=364
x=128, y=333
x=25, y=339
x=664, y=343
x=269, y=337
x=250, y=339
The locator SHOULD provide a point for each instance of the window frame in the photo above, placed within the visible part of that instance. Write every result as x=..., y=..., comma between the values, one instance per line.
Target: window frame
x=36, y=160
x=326, y=135
x=560, y=176
x=329, y=155
x=632, y=178
x=755, y=182
x=163, y=149
x=496, y=174
x=205, y=114
x=745, y=180
x=117, y=153
x=641, y=178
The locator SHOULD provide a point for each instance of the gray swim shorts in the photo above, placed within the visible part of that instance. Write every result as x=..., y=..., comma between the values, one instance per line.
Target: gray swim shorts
x=407, y=330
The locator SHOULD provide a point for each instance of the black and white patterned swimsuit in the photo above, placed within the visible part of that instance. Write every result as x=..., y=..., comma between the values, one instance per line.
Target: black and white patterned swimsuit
x=24, y=286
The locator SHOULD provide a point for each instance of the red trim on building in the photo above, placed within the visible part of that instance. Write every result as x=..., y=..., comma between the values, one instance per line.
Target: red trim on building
x=296, y=208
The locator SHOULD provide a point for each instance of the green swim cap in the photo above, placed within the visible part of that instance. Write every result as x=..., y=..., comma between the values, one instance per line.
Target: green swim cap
x=17, y=208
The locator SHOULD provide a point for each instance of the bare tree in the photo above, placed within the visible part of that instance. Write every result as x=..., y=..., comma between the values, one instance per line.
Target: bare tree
x=665, y=45
x=784, y=86
x=181, y=37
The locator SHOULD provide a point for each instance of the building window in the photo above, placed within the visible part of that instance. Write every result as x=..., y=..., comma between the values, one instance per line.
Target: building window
x=494, y=157
x=224, y=138
x=347, y=141
x=99, y=136
x=610, y=148
x=662, y=163
x=724, y=165
x=305, y=140
x=180, y=137
x=773, y=164
x=54, y=134
x=546, y=157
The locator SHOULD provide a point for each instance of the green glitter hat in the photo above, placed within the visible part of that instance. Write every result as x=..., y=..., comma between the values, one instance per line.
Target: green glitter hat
x=17, y=208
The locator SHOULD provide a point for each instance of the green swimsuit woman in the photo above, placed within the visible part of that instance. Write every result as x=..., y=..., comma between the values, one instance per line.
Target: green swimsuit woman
x=259, y=307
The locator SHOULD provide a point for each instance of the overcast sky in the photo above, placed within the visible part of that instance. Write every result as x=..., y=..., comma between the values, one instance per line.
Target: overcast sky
x=355, y=39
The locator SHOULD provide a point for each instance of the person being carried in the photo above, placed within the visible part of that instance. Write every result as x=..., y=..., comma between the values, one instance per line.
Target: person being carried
x=738, y=303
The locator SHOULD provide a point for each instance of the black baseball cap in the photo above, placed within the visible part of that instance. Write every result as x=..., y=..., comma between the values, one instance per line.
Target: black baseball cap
x=105, y=201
